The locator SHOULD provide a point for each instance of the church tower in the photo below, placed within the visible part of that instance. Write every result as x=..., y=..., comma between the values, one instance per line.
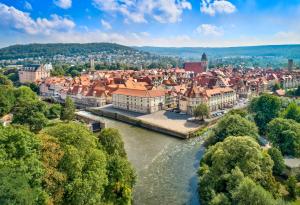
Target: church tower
x=92, y=64
x=204, y=62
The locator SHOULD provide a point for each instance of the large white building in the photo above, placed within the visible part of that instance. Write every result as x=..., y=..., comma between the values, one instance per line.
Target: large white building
x=215, y=99
x=138, y=100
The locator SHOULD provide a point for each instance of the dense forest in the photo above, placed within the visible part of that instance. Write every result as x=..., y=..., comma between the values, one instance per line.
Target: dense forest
x=68, y=49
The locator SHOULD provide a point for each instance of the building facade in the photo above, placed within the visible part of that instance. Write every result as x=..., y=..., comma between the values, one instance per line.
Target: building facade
x=215, y=99
x=34, y=73
x=141, y=101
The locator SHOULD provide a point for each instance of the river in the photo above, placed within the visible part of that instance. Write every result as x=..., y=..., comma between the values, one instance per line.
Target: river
x=166, y=166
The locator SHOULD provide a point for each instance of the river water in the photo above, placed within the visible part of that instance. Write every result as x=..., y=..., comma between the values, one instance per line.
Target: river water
x=166, y=166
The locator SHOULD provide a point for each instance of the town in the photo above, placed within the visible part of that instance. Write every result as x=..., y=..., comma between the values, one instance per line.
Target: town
x=148, y=91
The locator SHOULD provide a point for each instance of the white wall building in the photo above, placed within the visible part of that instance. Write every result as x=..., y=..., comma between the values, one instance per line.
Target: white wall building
x=142, y=101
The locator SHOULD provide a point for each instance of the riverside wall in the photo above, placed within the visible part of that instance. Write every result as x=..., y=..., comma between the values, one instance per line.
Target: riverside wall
x=140, y=123
x=144, y=124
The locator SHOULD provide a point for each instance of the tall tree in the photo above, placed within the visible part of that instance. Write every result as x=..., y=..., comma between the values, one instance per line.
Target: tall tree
x=292, y=112
x=285, y=134
x=222, y=161
x=111, y=141
x=265, y=108
x=277, y=159
x=83, y=163
x=201, y=111
x=20, y=169
x=68, y=111
x=250, y=193
x=32, y=114
x=7, y=100
x=233, y=125
x=5, y=81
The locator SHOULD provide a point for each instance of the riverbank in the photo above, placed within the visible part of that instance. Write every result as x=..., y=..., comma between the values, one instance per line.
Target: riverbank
x=166, y=166
x=164, y=122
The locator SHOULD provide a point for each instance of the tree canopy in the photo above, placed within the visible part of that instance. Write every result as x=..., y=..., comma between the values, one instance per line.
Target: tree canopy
x=292, y=112
x=20, y=169
x=265, y=108
x=285, y=134
x=250, y=193
x=68, y=111
x=233, y=125
x=5, y=81
x=111, y=141
x=201, y=111
x=225, y=164
x=278, y=160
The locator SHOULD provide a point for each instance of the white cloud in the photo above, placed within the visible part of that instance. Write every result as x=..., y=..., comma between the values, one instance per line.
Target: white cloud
x=15, y=19
x=64, y=4
x=27, y=5
x=106, y=24
x=164, y=11
x=209, y=30
x=212, y=7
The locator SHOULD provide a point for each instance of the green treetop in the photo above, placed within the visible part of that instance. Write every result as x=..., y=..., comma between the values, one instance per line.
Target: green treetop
x=285, y=134
x=265, y=108
x=68, y=111
x=201, y=111
x=233, y=125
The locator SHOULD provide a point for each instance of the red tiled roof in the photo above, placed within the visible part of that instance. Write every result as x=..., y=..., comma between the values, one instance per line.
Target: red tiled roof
x=139, y=93
x=196, y=67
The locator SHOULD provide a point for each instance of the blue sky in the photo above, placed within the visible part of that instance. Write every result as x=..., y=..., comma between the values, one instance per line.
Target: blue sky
x=213, y=23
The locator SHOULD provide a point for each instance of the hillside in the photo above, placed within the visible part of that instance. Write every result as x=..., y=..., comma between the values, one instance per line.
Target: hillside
x=275, y=55
x=288, y=51
x=75, y=53
x=69, y=49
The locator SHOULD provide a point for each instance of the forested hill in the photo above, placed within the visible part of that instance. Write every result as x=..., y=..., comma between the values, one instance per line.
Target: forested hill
x=287, y=51
x=69, y=49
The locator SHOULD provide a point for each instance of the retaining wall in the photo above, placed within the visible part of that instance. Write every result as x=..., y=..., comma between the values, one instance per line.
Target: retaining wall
x=141, y=123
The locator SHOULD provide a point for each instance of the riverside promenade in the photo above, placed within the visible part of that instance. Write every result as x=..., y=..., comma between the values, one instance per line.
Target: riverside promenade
x=164, y=122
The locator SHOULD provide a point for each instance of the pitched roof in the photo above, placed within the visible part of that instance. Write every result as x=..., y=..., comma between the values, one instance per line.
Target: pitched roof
x=196, y=67
x=139, y=93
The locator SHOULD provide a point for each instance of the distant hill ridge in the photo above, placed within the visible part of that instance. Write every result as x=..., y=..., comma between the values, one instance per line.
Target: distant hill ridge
x=67, y=49
x=285, y=51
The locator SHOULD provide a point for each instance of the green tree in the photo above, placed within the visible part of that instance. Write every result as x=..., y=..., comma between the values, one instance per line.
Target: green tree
x=121, y=179
x=24, y=95
x=265, y=108
x=292, y=112
x=233, y=125
x=285, y=134
x=241, y=112
x=54, y=179
x=5, y=81
x=111, y=141
x=250, y=193
x=7, y=100
x=20, y=169
x=238, y=157
x=277, y=159
x=292, y=187
x=31, y=114
x=68, y=111
x=201, y=111
x=83, y=163
x=54, y=111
